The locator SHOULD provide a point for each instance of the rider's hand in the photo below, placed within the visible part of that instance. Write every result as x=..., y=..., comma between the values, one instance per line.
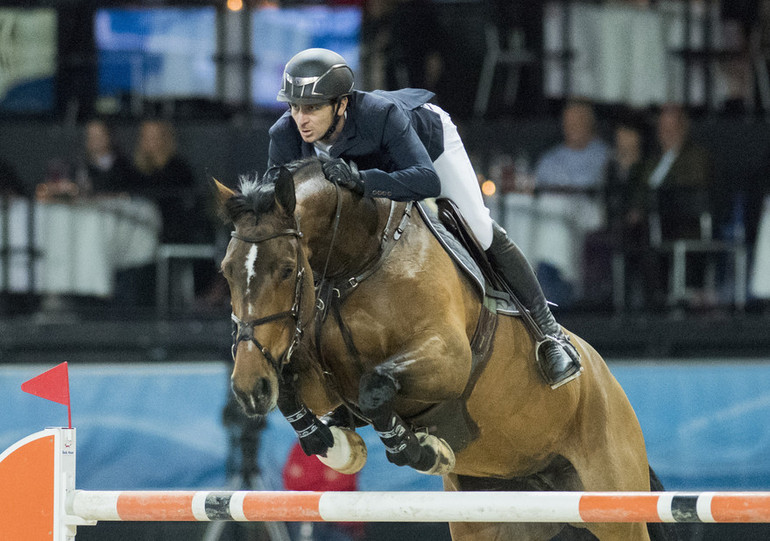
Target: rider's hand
x=344, y=174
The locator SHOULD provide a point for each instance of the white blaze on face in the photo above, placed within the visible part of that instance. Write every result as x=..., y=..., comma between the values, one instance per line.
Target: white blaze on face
x=251, y=259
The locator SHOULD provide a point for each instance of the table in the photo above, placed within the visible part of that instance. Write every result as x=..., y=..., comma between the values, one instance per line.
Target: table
x=551, y=228
x=76, y=246
x=627, y=54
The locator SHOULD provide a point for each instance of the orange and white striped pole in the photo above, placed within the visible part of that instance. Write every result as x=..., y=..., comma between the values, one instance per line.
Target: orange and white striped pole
x=423, y=506
x=38, y=501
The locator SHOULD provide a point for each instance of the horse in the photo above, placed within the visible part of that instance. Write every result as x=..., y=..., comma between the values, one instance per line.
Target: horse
x=348, y=311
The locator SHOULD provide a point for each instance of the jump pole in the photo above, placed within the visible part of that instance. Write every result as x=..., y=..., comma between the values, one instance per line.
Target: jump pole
x=38, y=501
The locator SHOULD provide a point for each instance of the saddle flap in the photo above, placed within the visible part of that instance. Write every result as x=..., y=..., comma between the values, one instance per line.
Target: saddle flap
x=459, y=242
x=450, y=217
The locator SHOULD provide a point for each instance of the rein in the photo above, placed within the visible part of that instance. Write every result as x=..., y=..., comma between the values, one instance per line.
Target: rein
x=243, y=331
x=329, y=294
x=341, y=288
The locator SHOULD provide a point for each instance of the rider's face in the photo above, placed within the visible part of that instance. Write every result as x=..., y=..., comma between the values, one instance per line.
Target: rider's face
x=313, y=120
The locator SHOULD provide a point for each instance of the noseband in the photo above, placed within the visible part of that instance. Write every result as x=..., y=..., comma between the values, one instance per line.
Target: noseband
x=243, y=331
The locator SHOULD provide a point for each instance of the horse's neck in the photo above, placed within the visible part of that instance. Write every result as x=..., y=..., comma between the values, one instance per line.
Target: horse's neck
x=361, y=234
x=356, y=241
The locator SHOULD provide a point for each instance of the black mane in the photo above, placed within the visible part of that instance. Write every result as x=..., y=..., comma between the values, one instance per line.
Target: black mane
x=257, y=195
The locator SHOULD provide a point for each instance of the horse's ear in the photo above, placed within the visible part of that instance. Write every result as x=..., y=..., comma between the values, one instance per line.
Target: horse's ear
x=222, y=194
x=284, y=190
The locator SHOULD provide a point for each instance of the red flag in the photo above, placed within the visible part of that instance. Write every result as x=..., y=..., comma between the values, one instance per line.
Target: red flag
x=52, y=385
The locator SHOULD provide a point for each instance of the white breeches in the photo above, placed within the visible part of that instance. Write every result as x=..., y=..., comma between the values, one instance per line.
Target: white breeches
x=459, y=182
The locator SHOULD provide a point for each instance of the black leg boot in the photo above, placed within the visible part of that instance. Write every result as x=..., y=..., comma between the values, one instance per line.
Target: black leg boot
x=557, y=358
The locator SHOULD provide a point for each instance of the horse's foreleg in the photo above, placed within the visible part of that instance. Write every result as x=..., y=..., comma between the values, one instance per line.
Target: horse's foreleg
x=315, y=438
x=425, y=453
x=340, y=448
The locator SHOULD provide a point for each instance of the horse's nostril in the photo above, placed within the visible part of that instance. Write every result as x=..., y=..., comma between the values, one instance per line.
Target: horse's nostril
x=263, y=387
x=255, y=398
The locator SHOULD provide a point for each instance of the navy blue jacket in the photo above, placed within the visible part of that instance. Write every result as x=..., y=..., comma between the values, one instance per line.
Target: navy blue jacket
x=389, y=135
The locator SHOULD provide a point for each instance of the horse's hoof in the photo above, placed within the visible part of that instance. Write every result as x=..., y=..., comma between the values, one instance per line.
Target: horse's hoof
x=445, y=457
x=348, y=454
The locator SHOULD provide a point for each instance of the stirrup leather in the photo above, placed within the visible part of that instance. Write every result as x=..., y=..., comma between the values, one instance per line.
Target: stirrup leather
x=565, y=343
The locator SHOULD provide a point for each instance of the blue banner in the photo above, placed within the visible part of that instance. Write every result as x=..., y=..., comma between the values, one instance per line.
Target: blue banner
x=159, y=425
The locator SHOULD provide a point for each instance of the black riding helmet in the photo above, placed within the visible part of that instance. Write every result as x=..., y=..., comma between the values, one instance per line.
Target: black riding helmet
x=316, y=76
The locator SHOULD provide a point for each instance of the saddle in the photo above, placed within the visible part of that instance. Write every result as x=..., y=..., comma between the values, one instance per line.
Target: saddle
x=453, y=233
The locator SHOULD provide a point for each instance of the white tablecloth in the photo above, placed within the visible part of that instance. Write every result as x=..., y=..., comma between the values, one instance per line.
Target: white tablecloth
x=551, y=228
x=759, y=282
x=80, y=245
x=625, y=54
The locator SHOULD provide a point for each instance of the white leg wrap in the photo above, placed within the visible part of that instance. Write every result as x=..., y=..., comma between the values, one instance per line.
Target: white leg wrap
x=445, y=457
x=348, y=454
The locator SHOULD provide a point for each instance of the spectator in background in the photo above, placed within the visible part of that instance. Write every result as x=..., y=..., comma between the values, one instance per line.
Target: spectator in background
x=679, y=167
x=573, y=171
x=672, y=192
x=621, y=234
x=578, y=163
x=104, y=168
x=417, y=46
x=404, y=43
x=166, y=178
x=624, y=171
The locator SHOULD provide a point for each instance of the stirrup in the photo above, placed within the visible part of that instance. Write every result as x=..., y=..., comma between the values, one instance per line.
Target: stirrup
x=566, y=345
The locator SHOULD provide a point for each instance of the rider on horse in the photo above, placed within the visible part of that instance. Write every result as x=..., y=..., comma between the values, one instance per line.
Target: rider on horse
x=398, y=146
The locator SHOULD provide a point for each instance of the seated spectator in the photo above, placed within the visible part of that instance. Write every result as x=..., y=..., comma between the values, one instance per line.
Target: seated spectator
x=166, y=178
x=672, y=192
x=624, y=173
x=622, y=234
x=574, y=172
x=578, y=163
x=104, y=169
x=679, y=166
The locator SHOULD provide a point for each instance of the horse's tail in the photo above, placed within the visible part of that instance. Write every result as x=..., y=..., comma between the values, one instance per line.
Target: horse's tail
x=668, y=531
x=655, y=484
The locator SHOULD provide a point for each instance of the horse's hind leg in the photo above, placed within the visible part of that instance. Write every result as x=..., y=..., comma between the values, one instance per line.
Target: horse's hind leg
x=424, y=453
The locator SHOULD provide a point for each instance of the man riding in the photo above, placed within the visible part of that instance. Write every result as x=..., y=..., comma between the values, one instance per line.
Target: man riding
x=398, y=146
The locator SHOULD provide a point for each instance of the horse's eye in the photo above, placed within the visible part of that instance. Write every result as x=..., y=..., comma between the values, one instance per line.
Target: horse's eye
x=287, y=272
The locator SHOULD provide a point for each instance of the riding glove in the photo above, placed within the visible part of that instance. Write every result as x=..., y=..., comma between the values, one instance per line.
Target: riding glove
x=346, y=175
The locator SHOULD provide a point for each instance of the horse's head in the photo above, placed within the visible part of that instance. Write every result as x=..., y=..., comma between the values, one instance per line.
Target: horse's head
x=270, y=287
x=268, y=264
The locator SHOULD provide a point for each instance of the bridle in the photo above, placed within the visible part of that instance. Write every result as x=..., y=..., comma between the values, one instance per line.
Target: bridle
x=243, y=331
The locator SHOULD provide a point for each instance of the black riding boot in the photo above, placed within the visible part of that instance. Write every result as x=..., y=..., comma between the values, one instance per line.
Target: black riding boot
x=557, y=358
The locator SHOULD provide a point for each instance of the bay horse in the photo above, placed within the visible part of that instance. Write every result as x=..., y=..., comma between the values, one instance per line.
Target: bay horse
x=349, y=307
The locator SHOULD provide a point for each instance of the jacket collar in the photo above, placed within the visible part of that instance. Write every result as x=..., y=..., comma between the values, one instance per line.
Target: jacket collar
x=348, y=136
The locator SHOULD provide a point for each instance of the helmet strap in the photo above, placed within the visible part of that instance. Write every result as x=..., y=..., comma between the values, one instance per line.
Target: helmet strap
x=335, y=121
